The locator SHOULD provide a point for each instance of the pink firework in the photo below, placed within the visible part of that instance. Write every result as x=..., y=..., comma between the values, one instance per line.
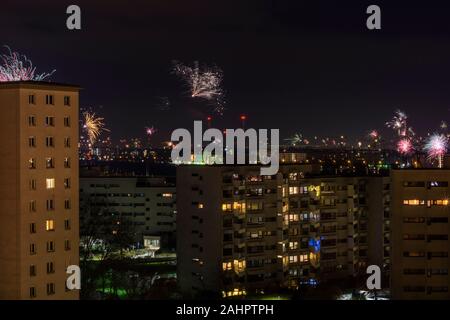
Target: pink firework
x=373, y=134
x=404, y=146
x=150, y=131
x=17, y=67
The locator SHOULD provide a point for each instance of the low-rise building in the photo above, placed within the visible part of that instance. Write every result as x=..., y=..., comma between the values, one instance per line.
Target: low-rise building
x=149, y=204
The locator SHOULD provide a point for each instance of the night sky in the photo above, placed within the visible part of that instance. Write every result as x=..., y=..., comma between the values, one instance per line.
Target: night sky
x=301, y=66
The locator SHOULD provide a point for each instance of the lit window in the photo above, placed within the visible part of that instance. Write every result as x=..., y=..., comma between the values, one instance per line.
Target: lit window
x=50, y=183
x=50, y=225
x=293, y=190
x=31, y=163
x=414, y=202
x=167, y=195
x=227, y=266
x=235, y=292
x=293, y=176
x=440, y=202
x=285, y=260
x=239, y=206
x=254, y=206
x=49, y=163
x=255, y=235
x=67, y=183
x=239, y=265
x=200, y=205
x=293, y=245
x=414, y=254
x=227, y=207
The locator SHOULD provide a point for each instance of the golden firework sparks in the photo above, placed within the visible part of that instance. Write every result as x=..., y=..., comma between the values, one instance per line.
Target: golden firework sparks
x=94, y=126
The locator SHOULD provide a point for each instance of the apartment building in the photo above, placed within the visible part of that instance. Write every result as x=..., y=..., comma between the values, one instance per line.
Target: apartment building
x=38, y=189
x=353, y=221
x=242, y=233
x=148, y=203
x=420, y=231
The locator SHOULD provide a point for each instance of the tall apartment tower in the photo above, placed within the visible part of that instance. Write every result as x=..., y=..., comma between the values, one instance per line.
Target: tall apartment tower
x=38, y=189
x=240, y=233
x=420, y=234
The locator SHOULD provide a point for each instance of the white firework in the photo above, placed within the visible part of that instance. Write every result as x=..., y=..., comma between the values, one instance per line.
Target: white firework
x=205, y=83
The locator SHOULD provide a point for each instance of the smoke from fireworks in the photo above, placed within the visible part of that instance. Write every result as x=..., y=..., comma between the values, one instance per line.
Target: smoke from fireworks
x=94, y=126
x=163, y=104
x=203, y=83
x=436, y=147
x=17, y=67
x=404, y=146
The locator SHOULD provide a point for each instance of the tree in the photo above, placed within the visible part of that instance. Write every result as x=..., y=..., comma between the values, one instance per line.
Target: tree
x=104, y=236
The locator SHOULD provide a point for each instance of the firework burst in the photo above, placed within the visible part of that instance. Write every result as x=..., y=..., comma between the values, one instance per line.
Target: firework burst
x=374, y=134
x=149, y=131
x=436, y=147
x=404, y=146
x=17, y=67
x=398, y=123
x=205, y=83
x=296, y=139
x=94, y=126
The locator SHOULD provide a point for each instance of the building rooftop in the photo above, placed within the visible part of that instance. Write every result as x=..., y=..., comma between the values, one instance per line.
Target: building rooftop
x=38, y=85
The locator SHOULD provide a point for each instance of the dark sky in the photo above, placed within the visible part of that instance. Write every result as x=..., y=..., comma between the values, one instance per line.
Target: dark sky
x=301, y=66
